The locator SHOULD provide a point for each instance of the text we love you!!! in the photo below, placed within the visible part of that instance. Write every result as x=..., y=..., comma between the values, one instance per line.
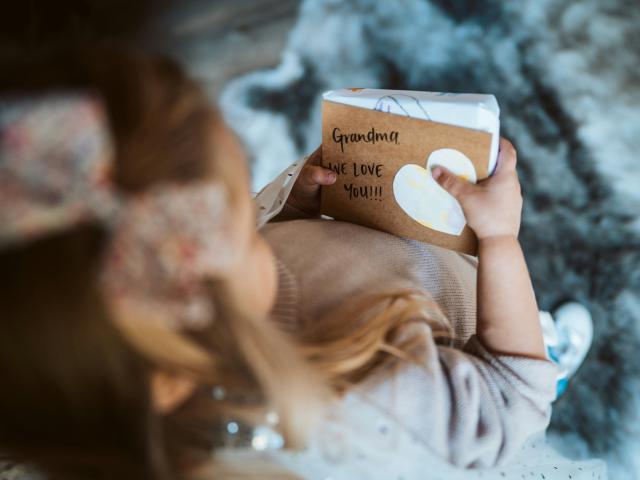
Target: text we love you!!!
x=362, y=169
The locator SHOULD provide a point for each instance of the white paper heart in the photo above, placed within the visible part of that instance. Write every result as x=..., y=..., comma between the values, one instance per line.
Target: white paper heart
x=420, y=196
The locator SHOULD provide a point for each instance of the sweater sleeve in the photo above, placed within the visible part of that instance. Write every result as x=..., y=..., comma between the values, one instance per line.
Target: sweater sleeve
x=472, y=407
x=271, y=202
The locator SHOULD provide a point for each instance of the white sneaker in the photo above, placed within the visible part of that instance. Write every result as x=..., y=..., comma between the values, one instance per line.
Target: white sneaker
x=568, y=336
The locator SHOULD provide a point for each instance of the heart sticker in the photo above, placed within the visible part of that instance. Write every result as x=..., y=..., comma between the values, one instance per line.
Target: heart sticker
x=420, y=196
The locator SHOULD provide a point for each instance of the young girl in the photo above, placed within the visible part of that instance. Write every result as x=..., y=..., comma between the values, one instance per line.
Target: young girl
x=145, y=322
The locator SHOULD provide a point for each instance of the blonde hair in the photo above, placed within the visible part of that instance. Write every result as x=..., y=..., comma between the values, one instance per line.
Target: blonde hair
x=360, y=336
x=355, y=341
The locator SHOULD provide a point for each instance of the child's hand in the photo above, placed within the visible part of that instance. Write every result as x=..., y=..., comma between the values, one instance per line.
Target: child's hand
x=493, y=207
x=305, y=194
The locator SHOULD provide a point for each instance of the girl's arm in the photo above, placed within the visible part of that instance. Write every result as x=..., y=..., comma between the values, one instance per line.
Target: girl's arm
x=295, y=193
x=304, y=201
x=478, y=406
x=507, y=310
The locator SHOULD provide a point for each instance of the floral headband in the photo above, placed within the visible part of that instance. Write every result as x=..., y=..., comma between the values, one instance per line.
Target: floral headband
x=56, y=163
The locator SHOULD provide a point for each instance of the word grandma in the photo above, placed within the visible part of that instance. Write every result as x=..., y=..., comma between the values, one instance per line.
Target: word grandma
x=372, y=136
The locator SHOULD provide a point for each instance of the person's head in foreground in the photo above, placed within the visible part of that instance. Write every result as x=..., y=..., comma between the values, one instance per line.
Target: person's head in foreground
x=134, y=283
x=133, y=280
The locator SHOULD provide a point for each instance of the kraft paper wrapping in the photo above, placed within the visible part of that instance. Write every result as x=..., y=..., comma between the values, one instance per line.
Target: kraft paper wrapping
x=383, y=156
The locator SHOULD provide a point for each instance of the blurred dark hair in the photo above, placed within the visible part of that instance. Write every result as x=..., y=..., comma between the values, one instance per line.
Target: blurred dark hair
x=77, y=401
x=76, y=395
x=35, y=25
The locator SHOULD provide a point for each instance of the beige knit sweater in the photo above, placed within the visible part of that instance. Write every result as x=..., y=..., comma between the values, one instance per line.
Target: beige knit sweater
x=469, y=406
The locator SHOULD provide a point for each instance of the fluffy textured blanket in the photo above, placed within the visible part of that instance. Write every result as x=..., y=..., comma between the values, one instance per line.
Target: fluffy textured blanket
x=567, y=78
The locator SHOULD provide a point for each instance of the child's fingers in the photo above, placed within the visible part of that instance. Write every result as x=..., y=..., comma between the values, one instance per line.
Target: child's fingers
x=456, y=186
x=324, y=176
x=311, y=178
x=507, y=157
x=316, y=175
